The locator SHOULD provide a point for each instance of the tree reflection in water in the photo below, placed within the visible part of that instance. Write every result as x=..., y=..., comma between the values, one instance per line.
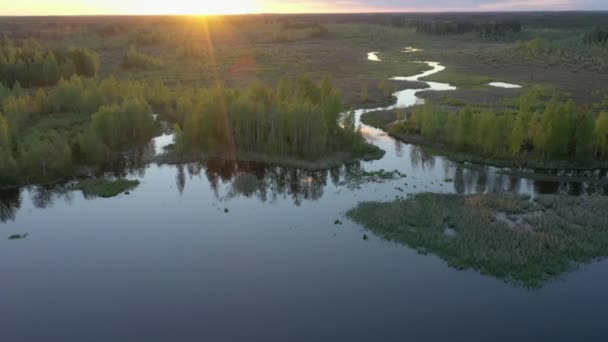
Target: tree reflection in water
x=266, y=183
x=230, y=179
x=10, y=202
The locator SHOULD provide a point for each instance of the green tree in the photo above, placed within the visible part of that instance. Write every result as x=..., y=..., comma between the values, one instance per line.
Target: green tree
x=86, y=61
x=92, y=147
x=464, y=133
x=489, y=133
x=285, y=90
x=520, y=133
x=584, y=135
x=601, y=134
x=48, y=157
x=559, y=120
x=50, y=70
x=5, y=138
x=8, y=167
x=332, y=107
x=326, y=87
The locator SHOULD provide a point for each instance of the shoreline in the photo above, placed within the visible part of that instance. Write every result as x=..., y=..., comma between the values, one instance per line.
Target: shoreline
x=328, y=162
x=379, y=119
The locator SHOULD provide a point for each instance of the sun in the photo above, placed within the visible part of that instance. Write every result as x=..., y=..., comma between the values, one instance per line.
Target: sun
x=194, y=7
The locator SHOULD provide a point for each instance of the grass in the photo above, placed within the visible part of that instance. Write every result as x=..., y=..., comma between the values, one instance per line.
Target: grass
x=508, y=237
x=101, y=187
x=379, y=119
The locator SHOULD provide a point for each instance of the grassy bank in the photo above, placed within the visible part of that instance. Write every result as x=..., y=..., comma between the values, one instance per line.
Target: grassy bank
x=506, y=236
x=326, y=162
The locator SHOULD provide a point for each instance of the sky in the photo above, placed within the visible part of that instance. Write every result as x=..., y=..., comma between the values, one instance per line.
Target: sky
x=91, y=7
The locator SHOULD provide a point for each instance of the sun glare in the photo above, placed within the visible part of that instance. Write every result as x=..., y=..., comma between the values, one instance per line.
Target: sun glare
x=194, y=7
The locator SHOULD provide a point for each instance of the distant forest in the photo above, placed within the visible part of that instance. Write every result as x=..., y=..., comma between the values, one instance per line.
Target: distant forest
x=445, y=27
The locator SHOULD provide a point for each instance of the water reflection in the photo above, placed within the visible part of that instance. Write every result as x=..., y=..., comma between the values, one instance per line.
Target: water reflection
x=229, y=179
x=421, y=159
x=266, y=183
x=10, y=202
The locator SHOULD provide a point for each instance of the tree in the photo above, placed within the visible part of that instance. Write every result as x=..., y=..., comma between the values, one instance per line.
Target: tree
x=92, y=147
x=48, y=157
x=332, y=107
x=86, y=61
x=68, y=96
x=285, y=90
x=489, y=130
x=67, y=69
x=601, y=134
x=429, y=121
x=8, y=166
x=519, y=133
x=50, y=70
x=464, y=131
x=559, y=120
x=134, y=59
x=117, y=125
x=326, y=87
x=5, y=138
x=583, y=135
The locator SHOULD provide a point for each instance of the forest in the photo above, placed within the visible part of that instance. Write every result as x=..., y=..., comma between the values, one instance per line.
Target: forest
x=27, y=64
x=299, y=119
x=80, y=120
x=538, y=128
x=489, y=28
x=47, y=133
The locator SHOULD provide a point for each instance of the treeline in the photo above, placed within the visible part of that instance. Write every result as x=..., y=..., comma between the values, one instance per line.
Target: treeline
x=597, y=36
x=297, y=120
x=46, y=134
x=50, y=133
x=29, y=65
x=490, y=28
x=316, y=30
x=556, y=130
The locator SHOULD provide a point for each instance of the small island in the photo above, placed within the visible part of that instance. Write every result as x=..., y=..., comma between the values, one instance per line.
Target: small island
x=510, y=237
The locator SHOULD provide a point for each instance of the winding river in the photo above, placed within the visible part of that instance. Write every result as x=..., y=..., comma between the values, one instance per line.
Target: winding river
x=200, y=250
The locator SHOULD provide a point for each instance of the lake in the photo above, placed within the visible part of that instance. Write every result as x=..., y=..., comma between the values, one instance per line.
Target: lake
x=231, y=251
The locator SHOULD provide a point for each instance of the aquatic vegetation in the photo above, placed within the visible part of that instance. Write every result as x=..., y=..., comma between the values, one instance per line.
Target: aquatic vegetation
x=510, y=237
x=106, y=188
x=356, y=178
x=18, y=236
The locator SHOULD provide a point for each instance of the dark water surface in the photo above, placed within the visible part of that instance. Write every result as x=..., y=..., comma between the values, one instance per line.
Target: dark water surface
x=222, y=251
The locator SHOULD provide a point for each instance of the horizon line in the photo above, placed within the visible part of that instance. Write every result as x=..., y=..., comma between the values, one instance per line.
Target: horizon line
x=291, y=13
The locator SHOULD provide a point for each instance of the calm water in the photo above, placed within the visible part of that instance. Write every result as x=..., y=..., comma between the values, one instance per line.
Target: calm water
x=200, y=252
